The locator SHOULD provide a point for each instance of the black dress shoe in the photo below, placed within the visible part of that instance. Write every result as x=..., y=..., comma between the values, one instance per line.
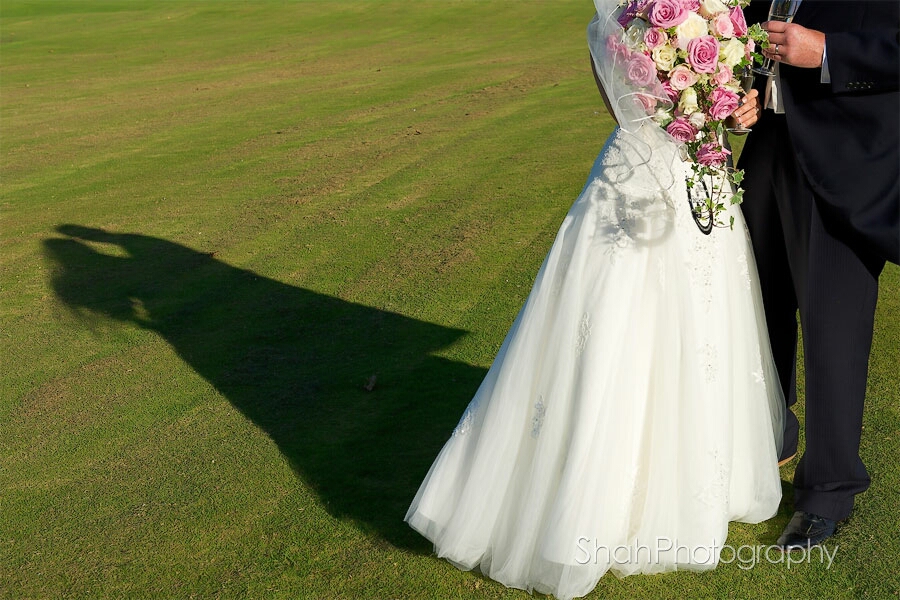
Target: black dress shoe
x=806, y=530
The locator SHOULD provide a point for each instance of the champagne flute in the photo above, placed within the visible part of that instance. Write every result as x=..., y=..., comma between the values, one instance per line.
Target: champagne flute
x=781, y=10
x=747, y=78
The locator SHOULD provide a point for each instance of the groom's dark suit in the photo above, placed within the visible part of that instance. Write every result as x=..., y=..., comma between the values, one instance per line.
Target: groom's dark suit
x=822, y=206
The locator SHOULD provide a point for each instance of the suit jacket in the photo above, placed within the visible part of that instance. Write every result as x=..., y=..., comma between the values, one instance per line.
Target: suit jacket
x=846, y=134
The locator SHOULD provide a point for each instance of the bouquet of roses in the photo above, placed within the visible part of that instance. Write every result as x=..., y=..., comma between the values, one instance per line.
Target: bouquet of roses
x=696, y=50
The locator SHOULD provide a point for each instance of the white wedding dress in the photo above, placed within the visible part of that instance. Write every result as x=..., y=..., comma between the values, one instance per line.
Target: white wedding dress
x=633, y=409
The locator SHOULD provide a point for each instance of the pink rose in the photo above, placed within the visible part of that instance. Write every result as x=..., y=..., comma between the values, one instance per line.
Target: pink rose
x=749, y=49
x=617, y=49
x=722, y=26
x=645, y=103
x=667, y=13
x=691, y=5
x=681, y=78
x=655, y=37
x=703, y=54
x=641, y=69
x=723, y=75
x=612, y=42
x=712, y=154
x=724, y=102
x=682, y=130
x=671, y=92
x=738, y=21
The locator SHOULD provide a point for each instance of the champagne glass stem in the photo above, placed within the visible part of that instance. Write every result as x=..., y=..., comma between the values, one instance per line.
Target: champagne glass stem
x=746, y=85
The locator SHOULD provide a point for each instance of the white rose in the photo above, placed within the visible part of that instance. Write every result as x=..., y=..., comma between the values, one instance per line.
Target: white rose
x=687, y=104
x=634, y=35
x=692, y=27
x=731, y=52
x=698, y=119
x=662, y=117
x=709, y=8
x=664, y=56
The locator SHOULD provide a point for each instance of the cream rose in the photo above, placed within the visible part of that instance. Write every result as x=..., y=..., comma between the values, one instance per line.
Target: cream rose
x=698, y=119
x=664, y=56
x=709, y=8
x=732, y=52
x=693, y=27
x=634, y=35
x=688, y=102
x=662, y=117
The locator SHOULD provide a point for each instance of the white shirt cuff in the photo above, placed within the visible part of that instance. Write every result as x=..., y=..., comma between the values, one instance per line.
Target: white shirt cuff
x=826, y=76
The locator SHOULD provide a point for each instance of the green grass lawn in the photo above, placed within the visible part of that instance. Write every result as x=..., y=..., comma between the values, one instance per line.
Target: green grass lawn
x=220, y=219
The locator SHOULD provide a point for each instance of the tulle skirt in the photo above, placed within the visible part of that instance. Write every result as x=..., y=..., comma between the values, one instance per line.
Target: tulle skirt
x=633, y=409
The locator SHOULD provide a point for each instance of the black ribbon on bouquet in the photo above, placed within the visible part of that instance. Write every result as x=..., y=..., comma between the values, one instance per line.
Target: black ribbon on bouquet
x=698, y=205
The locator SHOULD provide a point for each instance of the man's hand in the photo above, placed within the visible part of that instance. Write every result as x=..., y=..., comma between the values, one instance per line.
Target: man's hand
x=794, y=44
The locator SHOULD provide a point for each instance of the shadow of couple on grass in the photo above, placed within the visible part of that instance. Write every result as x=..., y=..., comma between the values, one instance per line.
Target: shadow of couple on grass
x=294, y=362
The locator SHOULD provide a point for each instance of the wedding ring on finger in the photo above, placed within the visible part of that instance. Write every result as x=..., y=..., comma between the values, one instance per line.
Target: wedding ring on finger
x=776, y=49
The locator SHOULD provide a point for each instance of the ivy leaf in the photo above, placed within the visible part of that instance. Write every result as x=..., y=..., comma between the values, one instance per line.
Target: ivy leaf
x=759, y=35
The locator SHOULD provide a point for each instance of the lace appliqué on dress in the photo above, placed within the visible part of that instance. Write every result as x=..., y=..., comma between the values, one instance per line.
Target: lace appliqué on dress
x=745, y=270
x=465, y=423
x=715, y=491
x=537, y=421
x=702, y=269
x=619, y=241
x=759, y=377
x=584, y=332
x=707, y=355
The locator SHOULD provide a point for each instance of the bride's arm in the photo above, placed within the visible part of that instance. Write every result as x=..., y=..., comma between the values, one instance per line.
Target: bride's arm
x=606, y=102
